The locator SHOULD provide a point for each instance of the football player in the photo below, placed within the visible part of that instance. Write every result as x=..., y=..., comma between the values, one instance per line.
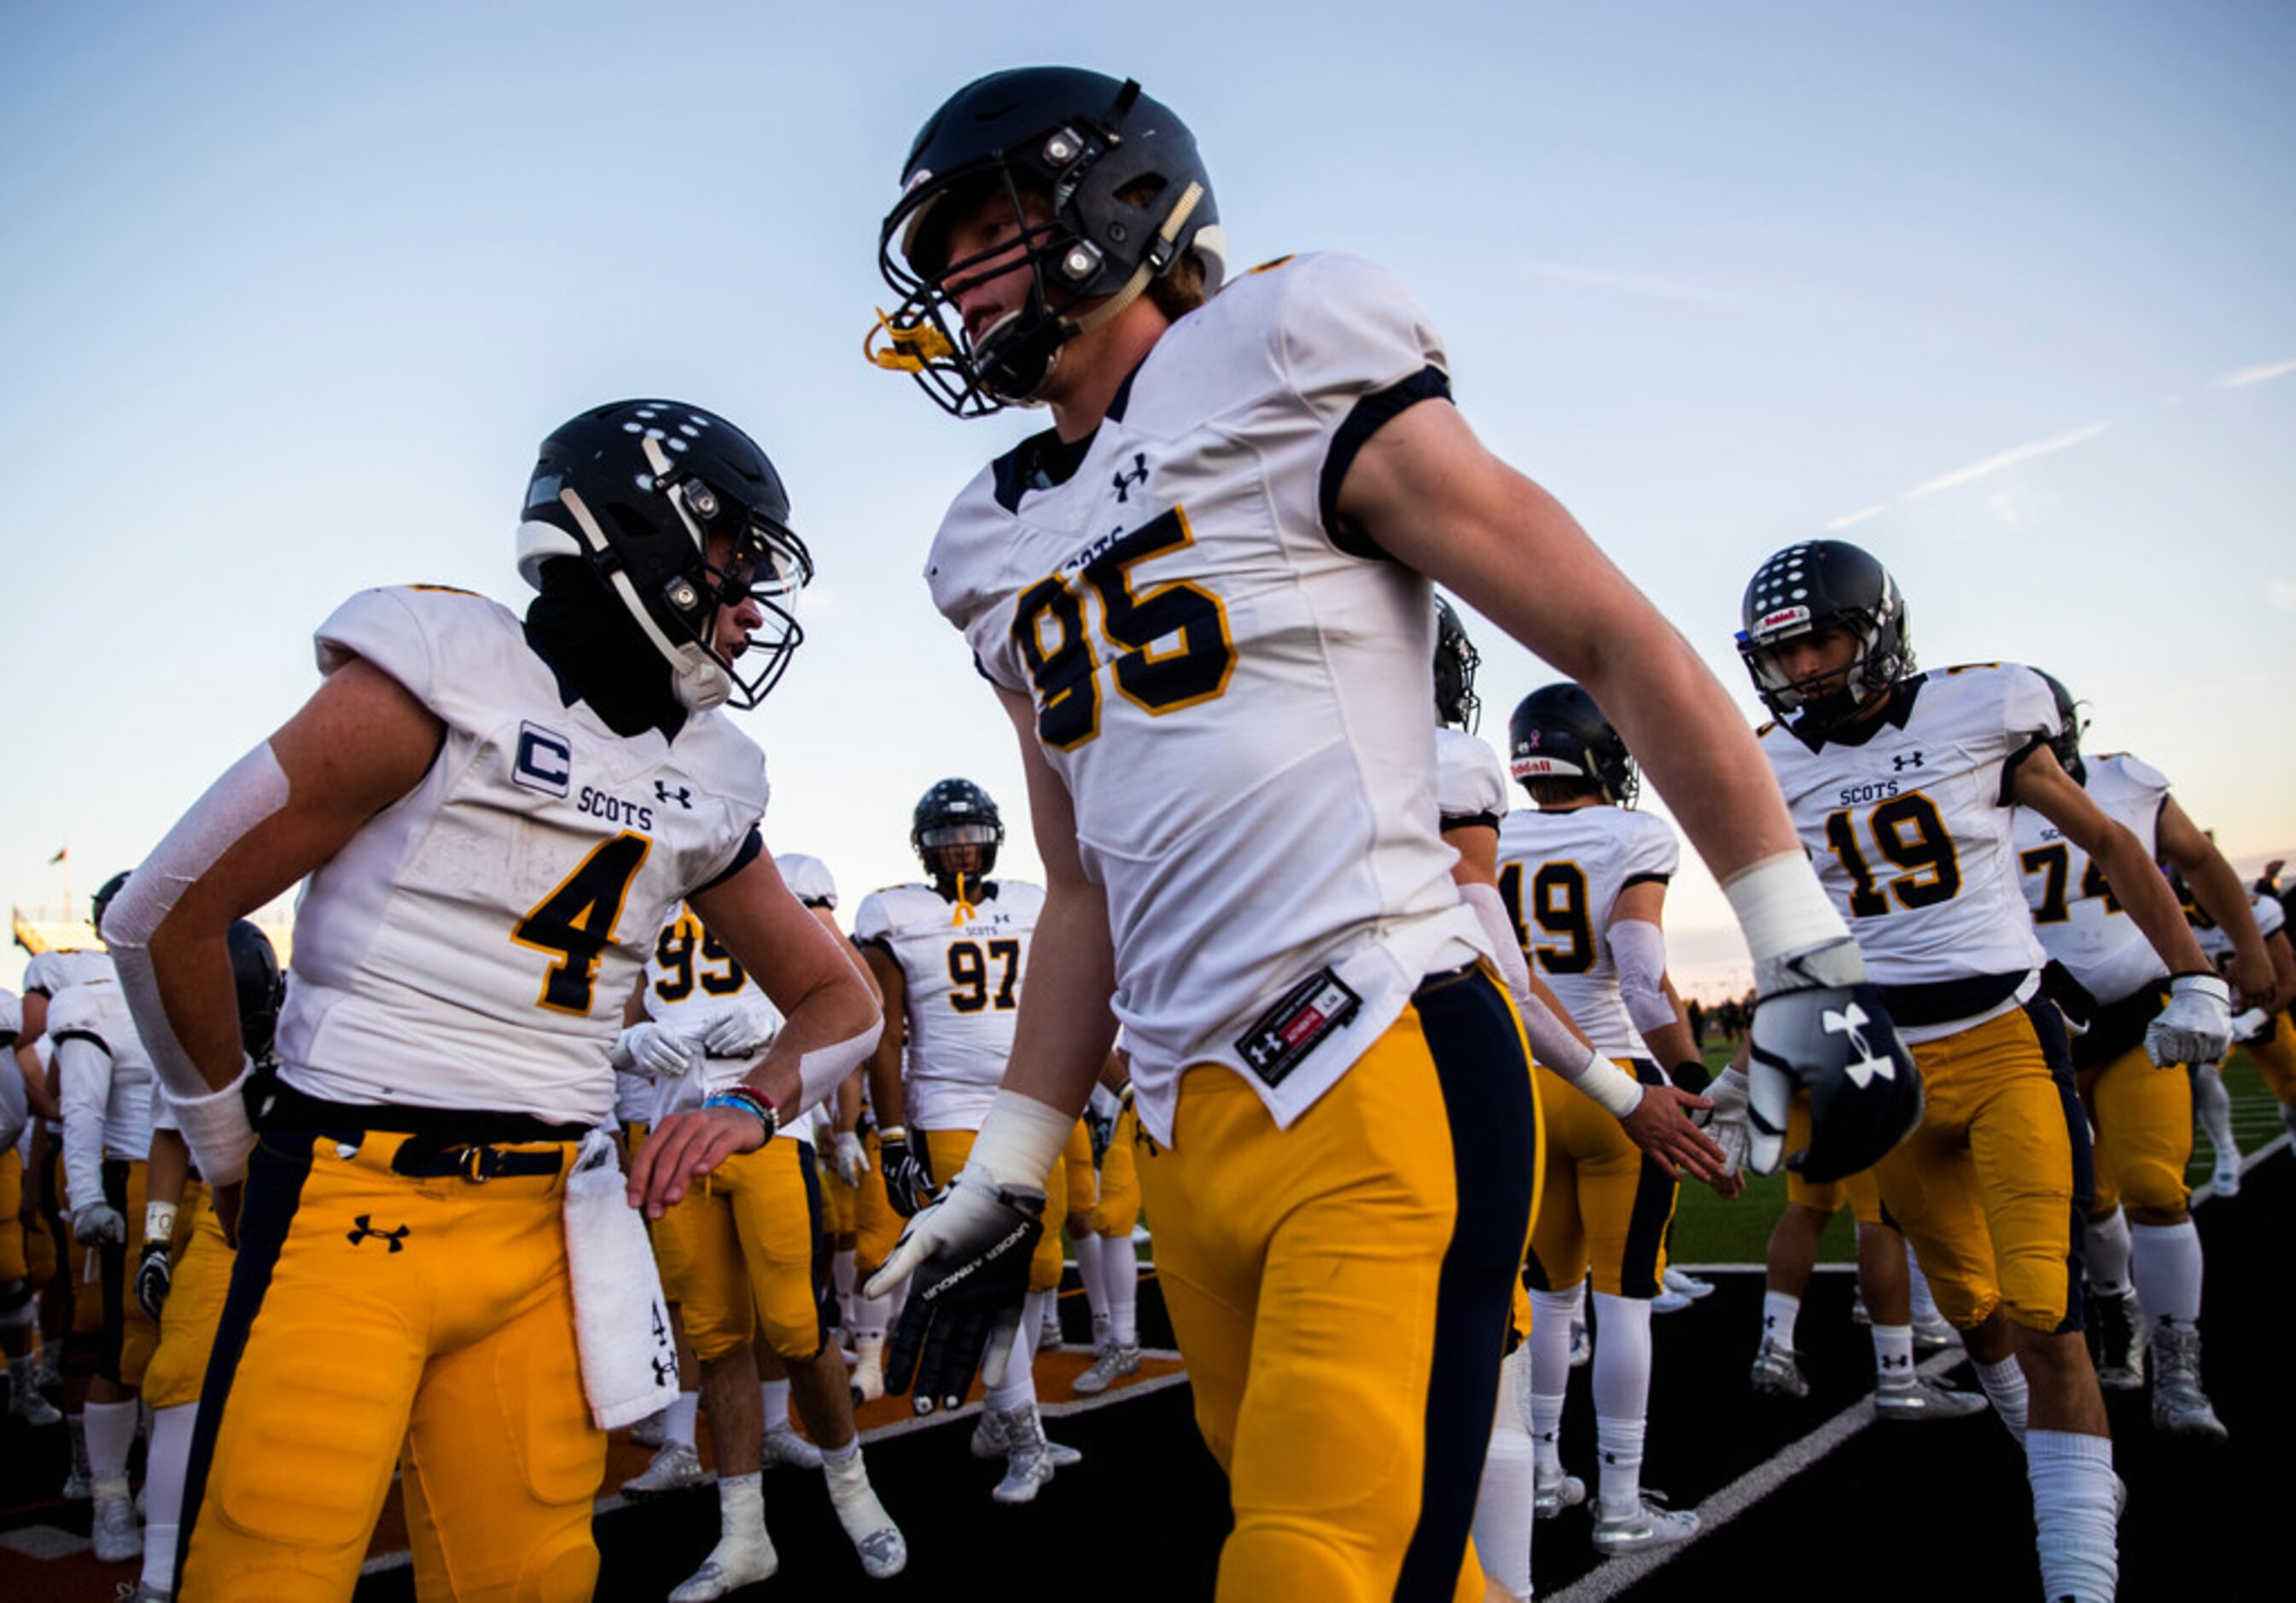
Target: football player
x=2143, y=1260
x=104, y=1081
x=1202, y=597
x=495, y=815
x=1902, y=786
x=1115, y=1286
x=18, y=1316
x=737, y=1258
x=948, y=956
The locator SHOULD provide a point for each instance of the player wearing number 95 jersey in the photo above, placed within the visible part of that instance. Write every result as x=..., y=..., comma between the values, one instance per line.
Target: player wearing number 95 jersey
x=1202, y=597
x=1902, y=786
x=495, y=815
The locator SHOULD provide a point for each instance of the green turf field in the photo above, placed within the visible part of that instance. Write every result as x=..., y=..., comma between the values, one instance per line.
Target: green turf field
x=1709, y=1231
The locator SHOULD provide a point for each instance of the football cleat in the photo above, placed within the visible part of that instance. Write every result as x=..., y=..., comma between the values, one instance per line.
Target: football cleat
x=2226, y=1180
x=1049, y=1337
x=28, y=1408
x=2121, y=1342
x=783, y=1445
x=675, y=1468
x=1778, y=1371
x=2180, y=1407
x=1688, y=1285
x=1027, y=1468
x=1857, y=1311
x=1933, y=1334
x=999, y=1431
x=78, y=1484
x=1582, y=1345
x=734, y=1563
x=1552, y=1495
x=653, y=1430
x=1670, y=1301
x=113, y=1529
x=877, y=1540
x=1646, y=1525
x=1919, y=1397
x=144, y=1592
x=1113, y=1364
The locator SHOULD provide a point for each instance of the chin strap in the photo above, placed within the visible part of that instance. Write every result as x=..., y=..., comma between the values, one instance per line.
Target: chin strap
x=966, y=911
x=699, y=686
x=1146, y=273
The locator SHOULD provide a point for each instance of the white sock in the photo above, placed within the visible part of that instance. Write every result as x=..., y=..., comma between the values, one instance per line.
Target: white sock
x=2073, y=1497
x=163, y=1490
x=1550, y=1366
x=872, y=1316
x=678, y=1426
x=2109, y=1246
x=2165, y=1263
x=742, y=1522
x=1021, y=1369
x=2213, y=1104
x=1088, y=1261
x=1779, y=1315
x=111, y=1433
x=773, y=1396
x=2006, y=1389
x=841, y=1272
x=1503, y=1508
x=1925, y=1308
x=1119, y=1277
x=1893, y=1354
x=1622, y=1356
x=1620, y=1444
x=846, y=1454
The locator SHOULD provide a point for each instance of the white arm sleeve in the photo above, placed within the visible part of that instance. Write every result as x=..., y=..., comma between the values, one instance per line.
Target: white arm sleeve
x=1638, y=951
x=823, y=1069
x=84, y=1068
x=251, y=790
x=1512, y=965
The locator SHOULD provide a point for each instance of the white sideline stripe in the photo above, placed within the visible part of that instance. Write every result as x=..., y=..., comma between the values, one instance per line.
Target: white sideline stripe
x=382, y=1563
x=1616, y=1576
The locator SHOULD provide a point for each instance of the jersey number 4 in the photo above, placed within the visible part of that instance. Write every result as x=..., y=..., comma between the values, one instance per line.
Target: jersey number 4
x=1905, y=831
x=575, y=921
x=2054, y=864
x=1170, y=645
x=1558, y=903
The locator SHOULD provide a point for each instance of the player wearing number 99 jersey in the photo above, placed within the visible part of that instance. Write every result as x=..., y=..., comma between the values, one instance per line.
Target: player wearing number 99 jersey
x=1901, y=785
x=495, y=815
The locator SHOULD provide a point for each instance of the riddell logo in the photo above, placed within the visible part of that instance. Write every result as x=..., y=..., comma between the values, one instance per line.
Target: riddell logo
x=1525, y=768
x=1781, y=617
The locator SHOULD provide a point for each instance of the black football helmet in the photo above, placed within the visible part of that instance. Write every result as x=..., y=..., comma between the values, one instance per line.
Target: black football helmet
x=955, y=812
x=1825, y=584
x=2070, y=727
x=261, y=987
x=1457, y=704
x=102, y=901
x=1122, y=196
x=636, y=490
x=1558, y=732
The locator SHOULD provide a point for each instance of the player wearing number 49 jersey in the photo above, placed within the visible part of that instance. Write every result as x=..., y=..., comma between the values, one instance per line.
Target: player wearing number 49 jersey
x=1202, y=597
x=1901, y=784
x=2143, y=1260
x=437, y=1251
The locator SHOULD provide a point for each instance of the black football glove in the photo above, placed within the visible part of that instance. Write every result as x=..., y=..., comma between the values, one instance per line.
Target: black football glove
x=908, y=1172
x=154, y=1278
x=1820, y=1025
x=966, y=1256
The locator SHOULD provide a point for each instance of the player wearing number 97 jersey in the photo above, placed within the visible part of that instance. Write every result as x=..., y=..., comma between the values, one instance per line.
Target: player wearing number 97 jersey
x=1902, y=785
x=495, y=815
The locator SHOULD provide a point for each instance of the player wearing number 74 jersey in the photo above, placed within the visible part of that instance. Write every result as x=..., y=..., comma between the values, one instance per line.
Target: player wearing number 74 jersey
x=1902, y=786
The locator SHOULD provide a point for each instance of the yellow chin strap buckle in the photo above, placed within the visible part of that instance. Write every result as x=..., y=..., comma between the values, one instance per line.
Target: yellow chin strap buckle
x=909, y=348
x=965, y=910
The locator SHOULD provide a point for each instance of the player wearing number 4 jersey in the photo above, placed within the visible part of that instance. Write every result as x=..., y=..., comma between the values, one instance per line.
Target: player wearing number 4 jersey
x=1901, y=784
x=438, y=1260
x=1202, y=597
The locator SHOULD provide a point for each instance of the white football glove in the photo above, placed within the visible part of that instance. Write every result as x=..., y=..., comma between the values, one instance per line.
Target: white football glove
x=848, y=1156
x=2195, y=1026
x=654, y=1051
x=1726, y=1121
x=737, y=1032
x=94, y=1223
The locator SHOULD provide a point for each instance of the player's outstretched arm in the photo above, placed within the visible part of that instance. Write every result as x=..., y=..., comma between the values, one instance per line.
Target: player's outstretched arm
x=830, y=1024
x=2196, y=1026
x=2185, y=847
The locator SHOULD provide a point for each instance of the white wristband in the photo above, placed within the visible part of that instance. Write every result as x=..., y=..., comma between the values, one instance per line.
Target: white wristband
x=1020, y=1139
x=1781, y=907
x=1616, y=1091
x=215, y=1127
x=158, y=1222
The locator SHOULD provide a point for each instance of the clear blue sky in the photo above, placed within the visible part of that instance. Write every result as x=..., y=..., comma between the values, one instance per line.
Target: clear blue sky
x=289, y=294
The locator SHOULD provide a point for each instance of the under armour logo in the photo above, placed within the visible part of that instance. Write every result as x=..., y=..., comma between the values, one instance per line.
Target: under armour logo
x=398, y=1238
x=1896, y=1363
x=681, y=795
x=1851, y=1021
x=1123, y=482
x=1906, y=760
x=665, y=1371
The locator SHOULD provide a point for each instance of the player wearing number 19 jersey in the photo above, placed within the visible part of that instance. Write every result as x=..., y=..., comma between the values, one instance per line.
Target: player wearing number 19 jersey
x=1902, y=785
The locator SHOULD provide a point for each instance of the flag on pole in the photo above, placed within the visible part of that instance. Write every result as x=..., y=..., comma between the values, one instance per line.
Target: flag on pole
x=60, y=855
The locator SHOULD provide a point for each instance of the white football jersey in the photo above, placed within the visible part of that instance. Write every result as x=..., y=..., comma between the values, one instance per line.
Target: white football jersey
x=12, y=1012
x=1236, y=689
x=1913, y=834
x=2075, y=913
x=691, y=983
x=52, y=972
x=473, y=944
x=961, y=977
x=808, y=877
x=108, y=1113
x=1561, y=874
x=2217, y=946
x=1471, y=786
x=14, y=1107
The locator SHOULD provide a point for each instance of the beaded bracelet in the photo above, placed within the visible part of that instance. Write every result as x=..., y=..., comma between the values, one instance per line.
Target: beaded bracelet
x=752, y=1102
